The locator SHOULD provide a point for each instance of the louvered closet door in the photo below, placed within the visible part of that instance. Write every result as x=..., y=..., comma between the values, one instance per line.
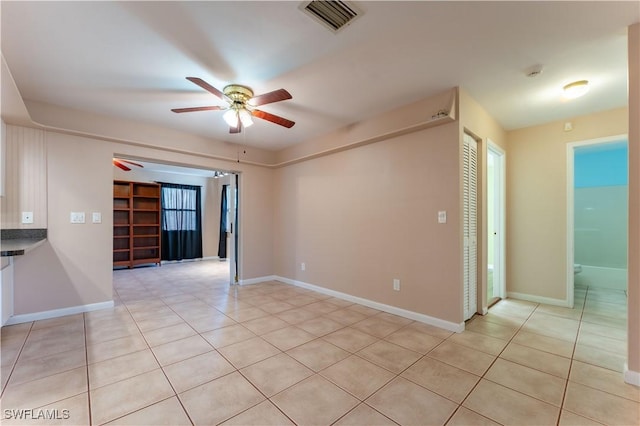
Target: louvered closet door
x=470, y=213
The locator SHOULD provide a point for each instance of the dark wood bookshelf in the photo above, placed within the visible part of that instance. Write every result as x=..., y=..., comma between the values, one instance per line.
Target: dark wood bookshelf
x=136, y=223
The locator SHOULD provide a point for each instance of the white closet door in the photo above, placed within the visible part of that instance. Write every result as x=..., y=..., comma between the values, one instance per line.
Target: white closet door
x=470, y=214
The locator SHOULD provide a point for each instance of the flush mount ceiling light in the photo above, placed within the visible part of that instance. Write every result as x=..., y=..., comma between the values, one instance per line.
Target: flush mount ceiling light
x=575, y=89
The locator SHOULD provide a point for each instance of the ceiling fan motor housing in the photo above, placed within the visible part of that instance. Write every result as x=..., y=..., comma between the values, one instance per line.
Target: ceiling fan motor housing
x=238, y=94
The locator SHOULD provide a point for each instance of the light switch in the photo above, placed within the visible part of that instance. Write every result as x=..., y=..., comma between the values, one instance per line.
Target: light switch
x=96, y=217
x=77, y=217
x=27, y=217
x=442, y=216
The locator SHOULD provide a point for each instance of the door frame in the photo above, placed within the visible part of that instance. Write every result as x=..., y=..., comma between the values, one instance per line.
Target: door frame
x=571, y=147
x=500, y=212
x=234, y=212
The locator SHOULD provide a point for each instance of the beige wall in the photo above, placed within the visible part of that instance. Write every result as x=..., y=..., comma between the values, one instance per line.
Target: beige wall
x=74, y=266
x=209, y=193
x=537, y=201
x=633, y=359
x=362, y=217
x=25, y=175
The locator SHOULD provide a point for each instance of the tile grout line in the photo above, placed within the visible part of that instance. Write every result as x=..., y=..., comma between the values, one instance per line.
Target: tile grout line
x=573, y=352
x=175, y=393
x=588, y=363
x=317, y=373
x=86, y=360
x=491, y=365
x=236, y=370
x=15, y=363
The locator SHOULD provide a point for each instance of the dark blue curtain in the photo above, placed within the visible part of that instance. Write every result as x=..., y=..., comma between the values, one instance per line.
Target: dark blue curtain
x=222, y=242
x=181, y=222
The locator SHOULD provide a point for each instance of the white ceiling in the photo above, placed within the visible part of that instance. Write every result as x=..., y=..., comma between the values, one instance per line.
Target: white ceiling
x=130, y=59
x=149, y=166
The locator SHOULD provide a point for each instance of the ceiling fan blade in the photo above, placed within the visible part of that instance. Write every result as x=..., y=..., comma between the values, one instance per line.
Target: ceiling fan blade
x=131, y=162
x=204, y=108
x=120, y=165
x=268, y=98
x=209, y=88
x=273, y=118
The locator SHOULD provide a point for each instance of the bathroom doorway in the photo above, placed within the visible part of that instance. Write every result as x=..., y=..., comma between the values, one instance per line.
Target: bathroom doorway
x=495, y=224
x=597, y=210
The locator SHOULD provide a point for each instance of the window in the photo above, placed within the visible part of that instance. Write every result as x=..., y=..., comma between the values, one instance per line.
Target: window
x=179, y=209
x=181, y=222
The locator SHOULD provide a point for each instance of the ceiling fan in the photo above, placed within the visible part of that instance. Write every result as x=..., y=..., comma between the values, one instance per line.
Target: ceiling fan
x=119, y=162
x=242, y=105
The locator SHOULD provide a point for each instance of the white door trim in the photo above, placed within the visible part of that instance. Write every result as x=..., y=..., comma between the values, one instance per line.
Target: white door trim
x=501, y=214
x=233, y=226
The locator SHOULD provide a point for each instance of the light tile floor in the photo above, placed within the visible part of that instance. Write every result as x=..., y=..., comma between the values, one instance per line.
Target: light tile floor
x=182, y=347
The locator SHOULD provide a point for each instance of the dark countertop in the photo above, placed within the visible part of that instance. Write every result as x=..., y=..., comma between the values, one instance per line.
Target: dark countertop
x=19, y=246
x=16, y=242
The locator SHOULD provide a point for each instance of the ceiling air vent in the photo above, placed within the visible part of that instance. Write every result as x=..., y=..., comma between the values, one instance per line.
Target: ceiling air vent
x=334, y=14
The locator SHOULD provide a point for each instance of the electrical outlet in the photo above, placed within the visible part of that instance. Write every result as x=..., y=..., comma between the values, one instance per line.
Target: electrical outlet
x=396, y=284
x=27, y=217
x=442, y=216
x=77, y=217
x=303, y=266
x=96, y=217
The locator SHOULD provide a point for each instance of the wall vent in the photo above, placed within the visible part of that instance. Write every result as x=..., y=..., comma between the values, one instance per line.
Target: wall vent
x=334, y=14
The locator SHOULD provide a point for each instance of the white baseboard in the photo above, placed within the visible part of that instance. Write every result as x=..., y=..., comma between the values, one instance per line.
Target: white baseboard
x=631, y=377
x=538, y=299
x=210, y=258
x=199, y=259
x=437, y=322
x=36, y=316
x=258, y=280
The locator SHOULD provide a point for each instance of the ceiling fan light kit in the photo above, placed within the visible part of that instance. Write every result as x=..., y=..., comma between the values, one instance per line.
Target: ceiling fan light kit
x=241, y=105
x=238, y=117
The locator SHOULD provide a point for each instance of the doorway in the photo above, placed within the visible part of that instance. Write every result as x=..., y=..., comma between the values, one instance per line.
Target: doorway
x=496, y=189
x=211, y=183
x=597, y=208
